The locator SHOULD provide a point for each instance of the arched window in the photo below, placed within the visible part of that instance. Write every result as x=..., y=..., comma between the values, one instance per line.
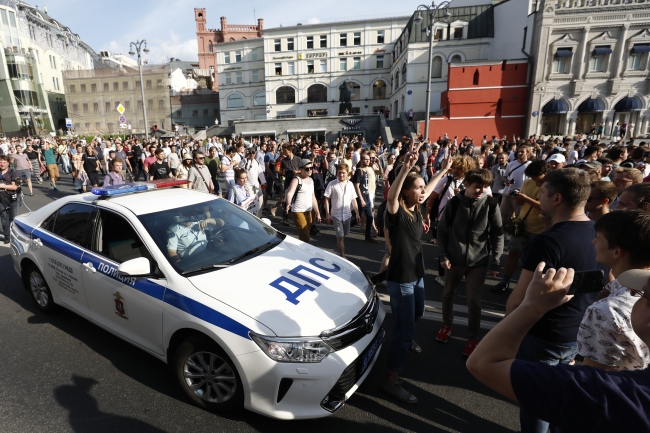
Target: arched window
x=259, y=98
x=379, y=89
x=396, y=79
x=456, y=59
x=210, y=47
x=317, y=93
x=436, y=67
x=355, y=90
x=285, y=95
x=235, y=101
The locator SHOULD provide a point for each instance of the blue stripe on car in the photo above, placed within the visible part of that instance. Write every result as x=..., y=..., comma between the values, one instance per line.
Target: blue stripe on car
x=144, y=285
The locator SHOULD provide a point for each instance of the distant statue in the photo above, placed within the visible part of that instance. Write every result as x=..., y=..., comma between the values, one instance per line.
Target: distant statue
x=344, y=93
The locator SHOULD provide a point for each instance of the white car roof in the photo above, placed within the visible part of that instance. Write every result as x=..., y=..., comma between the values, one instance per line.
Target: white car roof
x=154, y=200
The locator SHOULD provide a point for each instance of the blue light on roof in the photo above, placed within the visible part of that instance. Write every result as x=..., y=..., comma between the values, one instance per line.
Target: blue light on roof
x=110, y=190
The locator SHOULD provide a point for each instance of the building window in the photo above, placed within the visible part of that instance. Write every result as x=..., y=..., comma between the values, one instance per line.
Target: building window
x=310, y=66
x=228, y=78
x=259, y=99
x=161, y=104
x=56, y=88
x=458, y=33
x=106, y=87
x=75, y=108
x=436, y=67
x=437, y=34
x=290, y=44
x=226, y=57
x=239, y=78
x=206, y=112
x=116, y=87
x=195, y=113
x=380, y=36
x=85, y=108
x=107, y=107
x=357, y=38
x=355, y=90
x=254, y=56
x=149, y=87
x=559, y=65
x=343, y=40
x=285, y=95
x=323, y=41
x=93, y=88
x=456, y=59
x=343, y=64
x=380, y=62
x=356, y=63
x=179, y=114
x=290, y=68
x=127, y=105
x=317, y=93
x=277, y=45
x=235, y=101
x=159, y=84
x=634, y=61
x=396, y=80
x=73, y=88
x=95, y=108
x=379, y=89
x=596, y=63
x=210, y=47
x=278, y=69
x=476, y=77
x=138, y=85
x=139, y=105
x=322, y=66
x=238, y=56
x=97, y=126
x=310, y=42
x=255, y=76
x=117, y=104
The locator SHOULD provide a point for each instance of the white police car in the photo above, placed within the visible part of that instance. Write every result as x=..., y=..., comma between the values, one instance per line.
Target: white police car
x=246, y=315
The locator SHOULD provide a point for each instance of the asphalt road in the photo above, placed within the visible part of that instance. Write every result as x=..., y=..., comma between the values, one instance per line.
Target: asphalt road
x=61, y=373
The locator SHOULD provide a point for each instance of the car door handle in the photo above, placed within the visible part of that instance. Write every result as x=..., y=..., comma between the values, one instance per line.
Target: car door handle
x=89, y=267
x=37, y=243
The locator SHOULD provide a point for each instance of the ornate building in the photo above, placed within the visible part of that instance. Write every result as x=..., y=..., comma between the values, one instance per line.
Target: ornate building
x=208, y=38
x=591, y=66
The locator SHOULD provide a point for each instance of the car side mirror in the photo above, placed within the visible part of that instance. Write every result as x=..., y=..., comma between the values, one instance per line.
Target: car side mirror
x=139, y=267
x=267, y=222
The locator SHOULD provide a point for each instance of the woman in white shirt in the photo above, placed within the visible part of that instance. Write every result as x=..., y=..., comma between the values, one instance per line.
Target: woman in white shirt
x=184, y=168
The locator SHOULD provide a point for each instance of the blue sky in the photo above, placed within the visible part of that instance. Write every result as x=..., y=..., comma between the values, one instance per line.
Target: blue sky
x=169, y=27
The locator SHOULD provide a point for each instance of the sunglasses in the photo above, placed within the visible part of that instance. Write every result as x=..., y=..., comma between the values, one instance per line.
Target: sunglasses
x=200, y=157
x=307, y=168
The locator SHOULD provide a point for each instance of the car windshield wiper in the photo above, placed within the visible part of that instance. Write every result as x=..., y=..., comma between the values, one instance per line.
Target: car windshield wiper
x=204, y=268
x=261, y=248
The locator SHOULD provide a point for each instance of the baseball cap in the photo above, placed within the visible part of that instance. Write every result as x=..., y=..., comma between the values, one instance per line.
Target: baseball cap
x=592, y=164
x=557, y=157
x=304, y=163
x=636, y=279
x=187, y=157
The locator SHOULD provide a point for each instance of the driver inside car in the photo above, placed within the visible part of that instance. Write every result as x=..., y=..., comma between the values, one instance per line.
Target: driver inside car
x=187, y=236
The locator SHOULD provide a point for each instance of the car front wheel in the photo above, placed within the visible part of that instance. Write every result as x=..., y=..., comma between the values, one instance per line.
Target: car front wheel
x=208, y=376
x=35, y=283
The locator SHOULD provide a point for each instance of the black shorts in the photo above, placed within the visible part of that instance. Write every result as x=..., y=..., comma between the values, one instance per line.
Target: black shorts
x=93, y=179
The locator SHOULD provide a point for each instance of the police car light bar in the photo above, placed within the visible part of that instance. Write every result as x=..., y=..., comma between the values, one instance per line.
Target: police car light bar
x=111, y=190
x=167, y=183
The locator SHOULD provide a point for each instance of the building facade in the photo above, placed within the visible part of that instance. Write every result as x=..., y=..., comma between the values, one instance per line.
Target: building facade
x=208, y=39
x=591, y=66
x=36, y=49
x=298, y=71
x=93, y=97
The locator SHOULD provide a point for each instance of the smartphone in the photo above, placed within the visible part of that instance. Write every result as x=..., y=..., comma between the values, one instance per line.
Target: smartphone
x=587, y=282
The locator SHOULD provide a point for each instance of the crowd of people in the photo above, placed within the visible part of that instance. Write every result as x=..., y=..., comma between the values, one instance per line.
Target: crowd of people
x=569, y=210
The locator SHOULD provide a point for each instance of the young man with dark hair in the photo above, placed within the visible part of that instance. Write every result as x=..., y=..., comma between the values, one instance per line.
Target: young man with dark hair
x=605, y=338
x=159, y=169
x=470, y=236
x=602, y=194
x=566, y=244
x=635, y=196
x=531, y=217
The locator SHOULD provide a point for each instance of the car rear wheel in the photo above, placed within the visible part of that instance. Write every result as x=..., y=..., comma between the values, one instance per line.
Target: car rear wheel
x=35, y=283
x=208, y=376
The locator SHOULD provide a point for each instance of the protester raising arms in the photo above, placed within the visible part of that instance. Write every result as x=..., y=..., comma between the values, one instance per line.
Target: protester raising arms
x=405, y=274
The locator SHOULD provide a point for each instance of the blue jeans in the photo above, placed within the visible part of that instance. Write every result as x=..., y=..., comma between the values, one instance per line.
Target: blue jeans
x=537, y=350
x=407, y=305
x=7, y=216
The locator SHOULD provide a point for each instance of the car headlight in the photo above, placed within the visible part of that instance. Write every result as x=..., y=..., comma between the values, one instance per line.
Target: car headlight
x=292, y=349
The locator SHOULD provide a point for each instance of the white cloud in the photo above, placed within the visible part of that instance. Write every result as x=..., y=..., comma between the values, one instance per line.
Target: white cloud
x=161, y=50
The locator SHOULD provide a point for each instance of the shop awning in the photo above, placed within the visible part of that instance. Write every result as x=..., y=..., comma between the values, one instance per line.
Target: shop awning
x=555, y=106
x=564, y=52
x=628, y=104
x=591, y=106
x=601, y=51
x=291, y=131
x=258, y=133
x=641, y=48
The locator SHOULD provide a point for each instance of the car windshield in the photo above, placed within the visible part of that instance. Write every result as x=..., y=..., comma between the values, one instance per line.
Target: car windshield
x=209, y=235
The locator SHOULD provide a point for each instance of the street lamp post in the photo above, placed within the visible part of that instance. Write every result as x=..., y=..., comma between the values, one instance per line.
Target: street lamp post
x=433, y=11
x=138, y=46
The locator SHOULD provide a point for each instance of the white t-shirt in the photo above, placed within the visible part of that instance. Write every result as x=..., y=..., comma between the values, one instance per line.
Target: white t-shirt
x=573, y=157
x=173, y=160
x=515, y=171
x=341, y=195
x=229, y=175
x=255, y=172
x=356, y=157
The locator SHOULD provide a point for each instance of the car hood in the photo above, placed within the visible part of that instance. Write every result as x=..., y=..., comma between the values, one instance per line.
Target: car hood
x=294, y=289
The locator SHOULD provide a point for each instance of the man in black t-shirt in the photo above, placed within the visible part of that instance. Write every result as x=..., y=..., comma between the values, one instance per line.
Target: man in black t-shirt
x=567, y=244
x=160, y=169
x=364, y=201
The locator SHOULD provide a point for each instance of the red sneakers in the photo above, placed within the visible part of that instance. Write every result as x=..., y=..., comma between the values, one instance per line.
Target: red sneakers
x=469, y=347
x=443, y=334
